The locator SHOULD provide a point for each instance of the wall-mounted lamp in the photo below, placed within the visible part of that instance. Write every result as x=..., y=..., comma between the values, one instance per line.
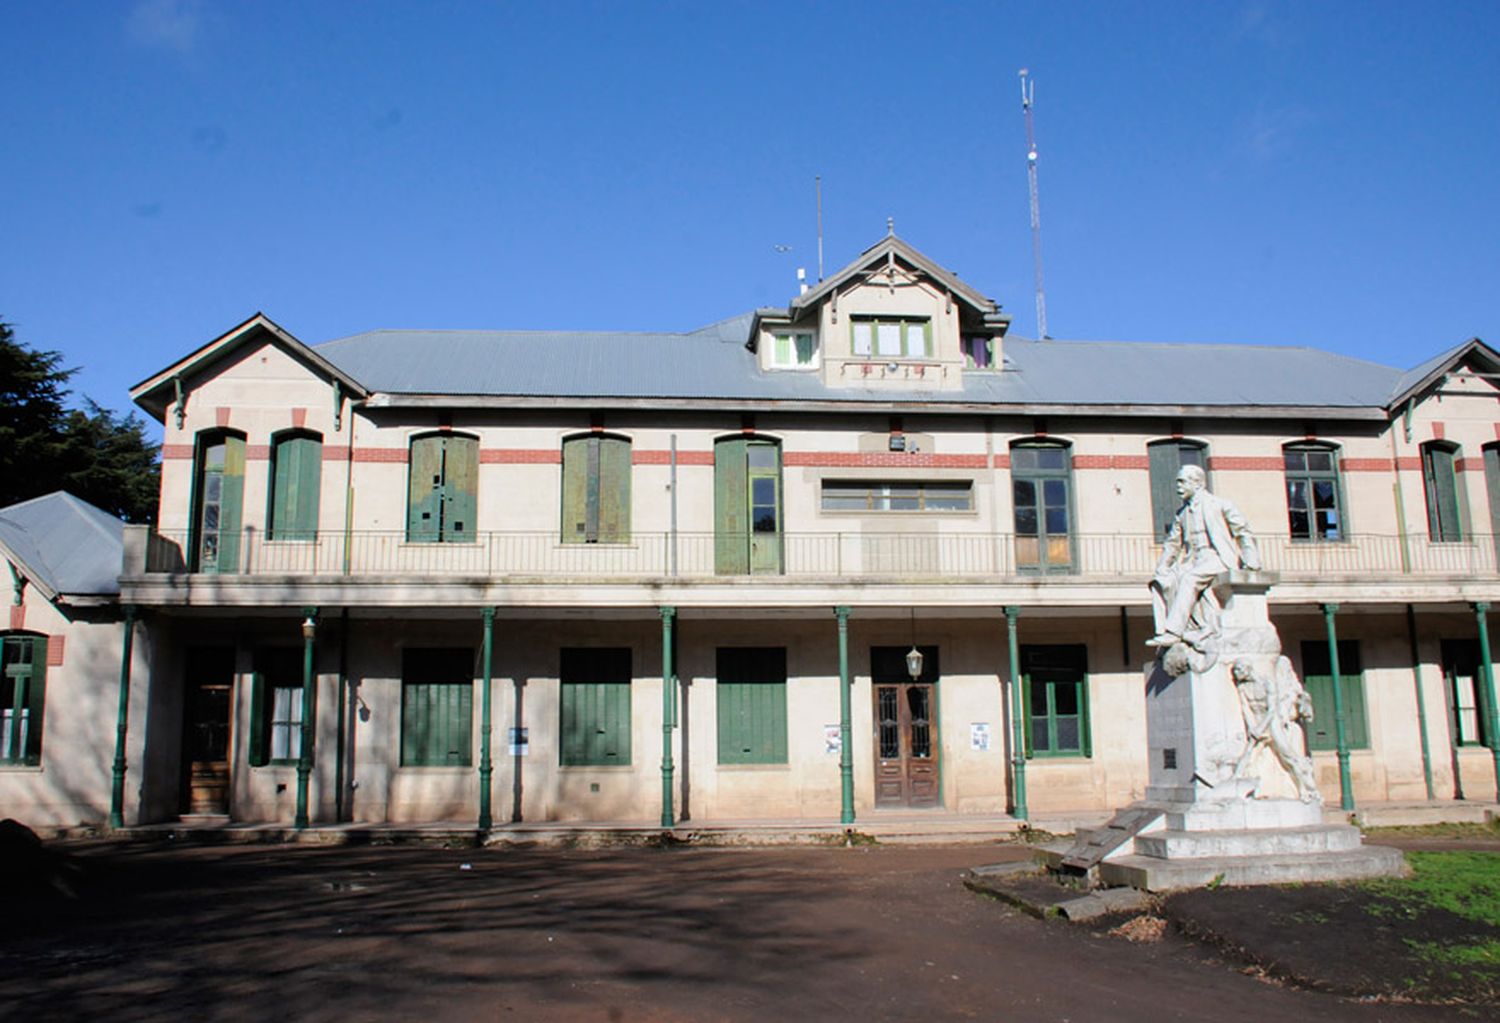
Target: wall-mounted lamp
x=309, y=627
x=914, y=656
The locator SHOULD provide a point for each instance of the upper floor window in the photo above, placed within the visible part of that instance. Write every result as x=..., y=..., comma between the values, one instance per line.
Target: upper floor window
x=218, y=499
x=1166, y=459
x=1440, y=481
x=883, y=496
x=1313, y=492
x=296, y=478
x=979, y=351
x=892, y=337
x=794, y=350
x=442, y=498
x=1041, y=489
x=23, y=685
x=596, y=489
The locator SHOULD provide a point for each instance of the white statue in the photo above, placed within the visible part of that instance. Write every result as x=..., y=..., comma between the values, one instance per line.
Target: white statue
x=1209, y=536
x=1272, y=707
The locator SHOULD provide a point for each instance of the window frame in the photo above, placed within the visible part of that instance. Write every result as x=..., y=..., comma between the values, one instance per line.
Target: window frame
x=966, y=345
x=305, y=516
x=904, y=326
x=1058, y=660
x=584, y=459
x=231, y=498
x=1322, y=734
x=1310, y=478
x=873, y=496
x=442, y=669
x=1038, y=477
x=597, y=675
x=793, y=350
x=1451, y=524
x=743, y=691
x=1461, y=659
x=21, y=744
x=275, y=668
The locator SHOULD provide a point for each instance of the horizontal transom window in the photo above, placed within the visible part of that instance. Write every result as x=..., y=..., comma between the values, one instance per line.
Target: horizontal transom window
x=885, y=495
x=894, y=338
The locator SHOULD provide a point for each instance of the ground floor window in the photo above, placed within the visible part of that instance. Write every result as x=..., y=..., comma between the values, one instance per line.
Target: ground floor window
x=1317, y=679
x=751, y=698
x=1056, y=694
x=276, y=707
x=1464, y=676
x=595, y=684
x=437, y=707
x=23, y=684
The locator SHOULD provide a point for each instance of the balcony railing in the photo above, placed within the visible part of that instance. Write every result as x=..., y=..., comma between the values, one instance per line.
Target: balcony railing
x=870, y=555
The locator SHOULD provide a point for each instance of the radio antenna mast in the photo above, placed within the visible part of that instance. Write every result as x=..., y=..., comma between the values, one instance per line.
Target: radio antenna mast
x=1028, y=100
x=818, y=185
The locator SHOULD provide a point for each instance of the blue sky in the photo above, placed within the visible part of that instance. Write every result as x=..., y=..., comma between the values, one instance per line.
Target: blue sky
x=1305, y=173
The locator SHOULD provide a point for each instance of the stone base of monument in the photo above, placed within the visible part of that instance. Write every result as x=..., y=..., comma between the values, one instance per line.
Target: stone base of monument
x=1199, y=824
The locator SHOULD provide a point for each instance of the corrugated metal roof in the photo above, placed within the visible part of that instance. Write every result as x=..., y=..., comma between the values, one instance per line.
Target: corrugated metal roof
x=578, y=364
x=65, y=542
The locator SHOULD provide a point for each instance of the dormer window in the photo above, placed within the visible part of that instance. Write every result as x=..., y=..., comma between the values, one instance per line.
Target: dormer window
x=979, y=351
x=892, y=338
x=794, y=350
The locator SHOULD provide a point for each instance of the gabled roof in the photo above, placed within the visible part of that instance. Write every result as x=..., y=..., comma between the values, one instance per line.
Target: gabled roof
x=878, y=255
x=64, y=545
x=156, y=393
x=1414, y=381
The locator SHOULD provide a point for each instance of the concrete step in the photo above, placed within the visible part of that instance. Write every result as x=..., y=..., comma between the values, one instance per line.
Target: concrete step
x=1388, y=815
x=1158, y=875
x=1177, y=845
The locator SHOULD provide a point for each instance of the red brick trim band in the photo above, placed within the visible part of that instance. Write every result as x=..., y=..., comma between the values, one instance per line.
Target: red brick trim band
x=1243, y=463
x=171, y=452
x=1111, y=462
x=1366, y=464
x=54, y=651
x=880, y=460
x=665, y=458
x=18, y=616
x=392, y=455
x=520, y=456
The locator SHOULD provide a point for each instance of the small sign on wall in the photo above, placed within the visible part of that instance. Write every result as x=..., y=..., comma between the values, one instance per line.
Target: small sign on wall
x=520, y=742
x=833, y=742
x=979, y=736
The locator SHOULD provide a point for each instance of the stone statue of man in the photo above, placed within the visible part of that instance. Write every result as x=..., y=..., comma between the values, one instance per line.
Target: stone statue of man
x=1272, y=707
x=1209, y=536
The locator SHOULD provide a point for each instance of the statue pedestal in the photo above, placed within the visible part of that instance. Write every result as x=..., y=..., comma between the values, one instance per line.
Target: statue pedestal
x=1198, y=824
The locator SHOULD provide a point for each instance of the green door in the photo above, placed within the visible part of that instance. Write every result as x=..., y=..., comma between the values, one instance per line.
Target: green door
x=221, y=493
x=1492, y=488
x=442, y=498
x=747, y=506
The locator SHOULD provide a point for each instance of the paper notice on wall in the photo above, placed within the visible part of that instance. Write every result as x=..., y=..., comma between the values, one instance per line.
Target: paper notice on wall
x=833, y=742
x=519, y=742
x=979, y=736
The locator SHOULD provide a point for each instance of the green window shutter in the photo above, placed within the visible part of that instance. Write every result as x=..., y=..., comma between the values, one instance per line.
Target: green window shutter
x=1085, y=727
x=36, y=701
x=731, y=508
x=437, y=724
x=1026, y=703
x=575, y=490
x=595, y=706
x=1442, y=494
x=231, y=504
x=614, y=490
x=751, y=699
x=461, y=487
x=296, y=466
x=425, y=488
x=1164, y=460
x=260, y=710
x=1322, y=734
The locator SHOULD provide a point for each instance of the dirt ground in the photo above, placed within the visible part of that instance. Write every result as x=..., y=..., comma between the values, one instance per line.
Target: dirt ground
x=881, y=933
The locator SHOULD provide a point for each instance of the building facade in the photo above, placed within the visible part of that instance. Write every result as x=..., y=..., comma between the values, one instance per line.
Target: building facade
x=417, y=576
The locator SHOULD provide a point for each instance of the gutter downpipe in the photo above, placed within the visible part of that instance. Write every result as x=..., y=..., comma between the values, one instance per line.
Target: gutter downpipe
x=341, y=749
x=1487, y=693
x=486, y=764
x=309, y=705
x=117, y=788
x=1416, y=674
x=672, y=486
x=846, y=755
x=1346, y=784
x=668, y=717
x=1017, y=710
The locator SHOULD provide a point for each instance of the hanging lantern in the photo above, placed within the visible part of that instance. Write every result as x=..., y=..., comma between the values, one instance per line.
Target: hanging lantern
x=914, y=663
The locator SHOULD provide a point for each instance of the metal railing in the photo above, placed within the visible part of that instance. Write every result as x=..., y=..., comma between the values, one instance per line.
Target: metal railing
x=848, y=554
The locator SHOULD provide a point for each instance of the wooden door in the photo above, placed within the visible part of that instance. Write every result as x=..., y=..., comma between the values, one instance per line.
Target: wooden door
x=208, y=696
x=906, y=729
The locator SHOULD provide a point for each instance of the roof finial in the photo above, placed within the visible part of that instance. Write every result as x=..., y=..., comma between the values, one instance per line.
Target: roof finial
x=890, y=227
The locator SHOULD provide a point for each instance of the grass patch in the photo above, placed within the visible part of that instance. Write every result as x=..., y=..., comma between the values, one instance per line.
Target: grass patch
x=1448, y=829
x=1466, y=884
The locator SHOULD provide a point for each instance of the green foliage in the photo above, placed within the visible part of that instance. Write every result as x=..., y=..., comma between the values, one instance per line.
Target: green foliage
x=45, y=446
x=1466, y=884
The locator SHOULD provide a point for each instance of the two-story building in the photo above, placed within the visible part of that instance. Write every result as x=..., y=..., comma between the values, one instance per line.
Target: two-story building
x=557, y=576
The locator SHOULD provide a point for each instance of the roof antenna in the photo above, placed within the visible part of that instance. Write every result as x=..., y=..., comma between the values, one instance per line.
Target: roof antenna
x=818, y=186
x=890, y=227
x=1028, y=100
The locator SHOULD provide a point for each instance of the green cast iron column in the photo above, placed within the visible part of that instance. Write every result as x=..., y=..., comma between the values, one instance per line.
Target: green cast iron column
x=1487, y=692
x=1340, y=719
x=1017, y=716
x=667, y=716
x=846, y=754
x=305, y=756
x=122, y=718
x=1416, y=673
x=486, y=764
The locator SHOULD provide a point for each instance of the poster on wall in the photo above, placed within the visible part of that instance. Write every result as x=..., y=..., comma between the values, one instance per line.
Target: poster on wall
x=832, y=741
x=519, y=742
x=979, y=736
